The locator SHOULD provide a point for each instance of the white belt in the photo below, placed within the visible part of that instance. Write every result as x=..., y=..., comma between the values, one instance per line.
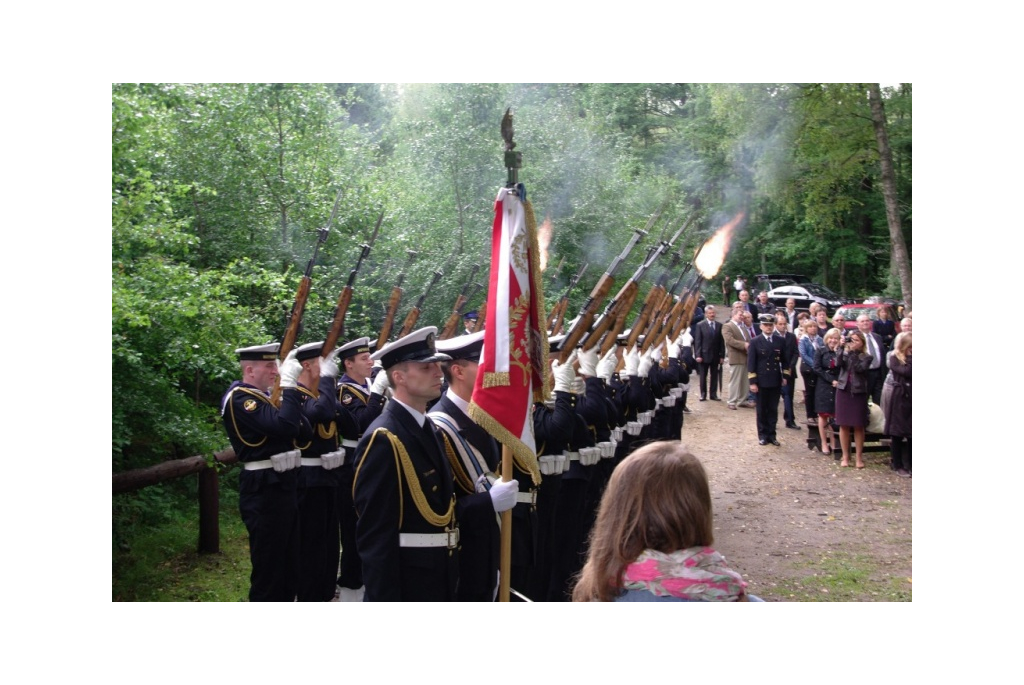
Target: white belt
x=258, y=465
x=449, y=539
x=529, y=497
x=349, y=443
x=311, y=461
x=573, y=456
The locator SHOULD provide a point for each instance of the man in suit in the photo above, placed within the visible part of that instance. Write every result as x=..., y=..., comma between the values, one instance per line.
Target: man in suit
x=768, y=367
x=748, y=306
x=407, y=533
x=762, y=305
x=876, y=348
x=737, y=340
x=479, y=493
x=791, y=314
x=708, y=349
x=789, y=344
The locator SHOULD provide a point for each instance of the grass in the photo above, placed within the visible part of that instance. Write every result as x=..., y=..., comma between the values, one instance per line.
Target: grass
x=157, y=561
x=842, y=577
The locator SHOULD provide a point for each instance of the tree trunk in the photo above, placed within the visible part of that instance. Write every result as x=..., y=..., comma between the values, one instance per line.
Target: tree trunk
x=892, y=211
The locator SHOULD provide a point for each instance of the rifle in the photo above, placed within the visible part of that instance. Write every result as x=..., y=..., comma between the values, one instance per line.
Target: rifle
x=345, y=297
x=681, y=312
x=655, y=296
x=414, y=313
x=558, y=311
x=393, y=301
x=621, y=303
x=299, y=306
x=597, y=295
x=460, y=302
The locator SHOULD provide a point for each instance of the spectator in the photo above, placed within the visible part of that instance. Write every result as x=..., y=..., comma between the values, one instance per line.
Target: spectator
x=852, y=395
x=826, y=365
x=652, y=537
x=884, y=327
x=896, y=403
x=739, y=285
x=809, y=345
x=725, y=290
x=763, y=306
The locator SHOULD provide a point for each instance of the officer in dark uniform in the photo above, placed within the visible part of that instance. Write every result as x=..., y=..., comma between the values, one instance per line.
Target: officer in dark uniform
x=320, y=477
x=263, y=436
x=768, y=368
x=404, y=496
x=474, y=457
x=364, y=400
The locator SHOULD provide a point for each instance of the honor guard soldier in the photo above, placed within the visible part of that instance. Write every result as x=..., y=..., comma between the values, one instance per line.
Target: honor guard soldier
x=362, y=397
x=474, y=457
x=320, y=477
x=768, y=368
x=469, y=321
x=263, y=436
x=403, y=491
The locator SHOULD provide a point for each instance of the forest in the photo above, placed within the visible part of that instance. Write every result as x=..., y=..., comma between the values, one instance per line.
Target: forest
x=218, y=192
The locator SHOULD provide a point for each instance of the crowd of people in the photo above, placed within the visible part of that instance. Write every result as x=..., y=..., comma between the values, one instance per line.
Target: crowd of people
x=368, y=479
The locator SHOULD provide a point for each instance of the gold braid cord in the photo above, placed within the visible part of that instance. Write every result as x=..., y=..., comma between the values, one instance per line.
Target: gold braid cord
x=418, y=498
x=457, y=469
x=231, y=407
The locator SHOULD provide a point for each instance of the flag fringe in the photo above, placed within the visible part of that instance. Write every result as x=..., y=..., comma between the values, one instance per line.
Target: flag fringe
x=526, y=458
x=497, y=379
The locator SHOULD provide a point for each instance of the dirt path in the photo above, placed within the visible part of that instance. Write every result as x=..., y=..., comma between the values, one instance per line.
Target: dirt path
x=799, y=527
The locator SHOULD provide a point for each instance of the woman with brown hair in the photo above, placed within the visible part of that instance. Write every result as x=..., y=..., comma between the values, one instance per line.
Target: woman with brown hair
x=653, y=534
x=896, y=403
x=852, y=395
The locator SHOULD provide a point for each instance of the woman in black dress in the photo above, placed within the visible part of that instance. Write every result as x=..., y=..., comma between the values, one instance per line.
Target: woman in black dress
x=826, y=367
x=852, y=395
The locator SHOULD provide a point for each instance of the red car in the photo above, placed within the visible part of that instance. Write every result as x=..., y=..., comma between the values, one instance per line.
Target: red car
x=850, y=312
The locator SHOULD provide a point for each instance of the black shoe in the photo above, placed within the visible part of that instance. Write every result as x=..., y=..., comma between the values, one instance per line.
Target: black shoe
x=792, y=424
x=716, y=399
x=762, y=443
x=686, y=411
x=774, y=442
x=703, y=399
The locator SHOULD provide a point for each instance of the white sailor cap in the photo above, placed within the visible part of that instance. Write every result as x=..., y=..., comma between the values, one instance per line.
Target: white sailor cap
x=466, y=347
x=418, y=346
x=309, y=351
x=258, y=353
x=356, y=347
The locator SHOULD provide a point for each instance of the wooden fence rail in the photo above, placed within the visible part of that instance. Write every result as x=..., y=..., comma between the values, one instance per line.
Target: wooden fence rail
x=209, y=489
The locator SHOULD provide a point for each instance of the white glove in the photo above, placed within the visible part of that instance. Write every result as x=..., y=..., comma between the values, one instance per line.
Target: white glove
x=289, y=370
x=673, y=350
x=632, y=359
x=645, y=364
x=380, y=384
x=333, y=460
x=656, y=354
x=503, y=494
x=563, y=374
x=588, y=362
x=606, y=367
x=329, y=366
x=579, y=386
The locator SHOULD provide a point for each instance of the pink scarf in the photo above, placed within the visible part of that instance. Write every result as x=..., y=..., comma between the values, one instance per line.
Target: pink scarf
x=696, y=573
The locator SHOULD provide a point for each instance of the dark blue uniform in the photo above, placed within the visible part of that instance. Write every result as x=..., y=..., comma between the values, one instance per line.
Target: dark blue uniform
x=768, y=362
x=403, y=484
x=267, y=500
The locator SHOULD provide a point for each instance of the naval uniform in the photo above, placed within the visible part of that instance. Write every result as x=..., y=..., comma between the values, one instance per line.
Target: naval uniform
x=403, y=493
x=267, y=499
x=768, y=362
x=471, y=453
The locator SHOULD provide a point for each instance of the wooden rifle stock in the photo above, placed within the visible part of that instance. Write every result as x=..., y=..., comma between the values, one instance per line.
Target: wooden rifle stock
x=389, y=319
x=410, y=320
x=646, y=311
x=586, y=318
x=451, y=325
x=557, y=316
x=291, y=333
x=619, y=308
x=618, y=325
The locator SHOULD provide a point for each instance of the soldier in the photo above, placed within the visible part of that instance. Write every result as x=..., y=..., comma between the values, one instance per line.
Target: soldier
x=768, y=366
x=474, y=457
x=469, y=320
x=263, y=436
x=404, y=496
x=363, y=398
x=320, y=476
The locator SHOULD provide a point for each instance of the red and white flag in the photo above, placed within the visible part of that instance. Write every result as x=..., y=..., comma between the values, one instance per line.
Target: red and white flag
x=511, y=372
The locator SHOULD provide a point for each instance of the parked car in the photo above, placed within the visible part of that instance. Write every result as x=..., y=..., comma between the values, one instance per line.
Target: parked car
x=850, y=312
x=804, y=294
x=771, y=281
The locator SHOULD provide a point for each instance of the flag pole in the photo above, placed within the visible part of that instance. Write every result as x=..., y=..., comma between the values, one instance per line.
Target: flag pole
x=513, y=162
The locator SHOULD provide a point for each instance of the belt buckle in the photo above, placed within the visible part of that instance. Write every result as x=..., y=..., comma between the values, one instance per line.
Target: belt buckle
x=453, y=538
x=533, y=497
